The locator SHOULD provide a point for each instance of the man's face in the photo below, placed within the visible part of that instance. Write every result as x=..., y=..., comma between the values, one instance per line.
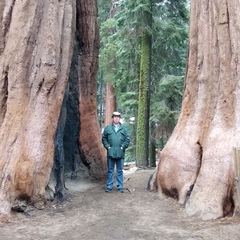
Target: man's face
x=116, y=119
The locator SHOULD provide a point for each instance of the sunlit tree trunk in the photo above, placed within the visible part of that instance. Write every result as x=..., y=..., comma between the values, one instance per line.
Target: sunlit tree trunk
x=196, y=165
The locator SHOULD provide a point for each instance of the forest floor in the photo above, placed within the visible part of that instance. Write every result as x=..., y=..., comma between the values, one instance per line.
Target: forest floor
x=91, y=214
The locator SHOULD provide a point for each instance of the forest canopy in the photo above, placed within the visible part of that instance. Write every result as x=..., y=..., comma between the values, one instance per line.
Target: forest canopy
x=121, y=26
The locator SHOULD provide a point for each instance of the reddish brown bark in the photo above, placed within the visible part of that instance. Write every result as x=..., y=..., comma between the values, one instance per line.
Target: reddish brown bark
x=110, y=105
x=36, y=47
x=199, y=152
x=36, y=44
x=90, y=133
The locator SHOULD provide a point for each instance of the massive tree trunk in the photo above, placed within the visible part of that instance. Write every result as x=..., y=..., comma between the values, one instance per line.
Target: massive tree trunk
x=90, y=134
x=36, y=45
x=197, y=160
x=36, y=40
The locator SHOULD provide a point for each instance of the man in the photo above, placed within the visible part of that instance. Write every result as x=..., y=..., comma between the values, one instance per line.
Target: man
x=115, y=139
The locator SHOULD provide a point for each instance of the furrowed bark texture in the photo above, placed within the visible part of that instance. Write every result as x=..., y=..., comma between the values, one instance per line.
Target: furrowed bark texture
x=90, y=134
x=197, y=160
x=36, y=41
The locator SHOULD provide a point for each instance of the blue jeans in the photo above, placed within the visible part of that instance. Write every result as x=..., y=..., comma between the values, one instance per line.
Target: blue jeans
x=110, y=174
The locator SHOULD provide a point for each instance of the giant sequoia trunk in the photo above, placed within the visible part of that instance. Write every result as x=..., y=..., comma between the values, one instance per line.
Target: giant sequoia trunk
x=36, y=44
x=197, y=160
x=90, y=134
x=36, y=40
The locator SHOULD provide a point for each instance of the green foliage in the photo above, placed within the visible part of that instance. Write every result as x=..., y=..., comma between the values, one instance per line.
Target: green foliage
x=170, y=30
x=119, y=60
x=169, y=90
x=118, y=53
x=166, y=106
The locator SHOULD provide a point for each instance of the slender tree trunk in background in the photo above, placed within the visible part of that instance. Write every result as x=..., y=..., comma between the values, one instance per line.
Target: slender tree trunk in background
x=101, y=99
x=198, y=158
x=142, y=121
x=150, y=142
x=36, y=40
x=142, y=138
x=90, y=134
x=110, y=105
x=152, y=155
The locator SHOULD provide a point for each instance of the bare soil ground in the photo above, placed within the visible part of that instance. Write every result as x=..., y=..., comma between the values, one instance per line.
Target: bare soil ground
x=91, y=214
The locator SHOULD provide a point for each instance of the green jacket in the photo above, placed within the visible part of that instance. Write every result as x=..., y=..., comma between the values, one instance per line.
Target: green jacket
x=115, y=142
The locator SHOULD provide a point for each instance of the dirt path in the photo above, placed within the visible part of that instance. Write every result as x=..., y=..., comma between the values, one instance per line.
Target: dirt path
x=92, y=214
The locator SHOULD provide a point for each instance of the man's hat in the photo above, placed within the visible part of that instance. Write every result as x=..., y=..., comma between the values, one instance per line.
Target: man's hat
x=116, y=114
